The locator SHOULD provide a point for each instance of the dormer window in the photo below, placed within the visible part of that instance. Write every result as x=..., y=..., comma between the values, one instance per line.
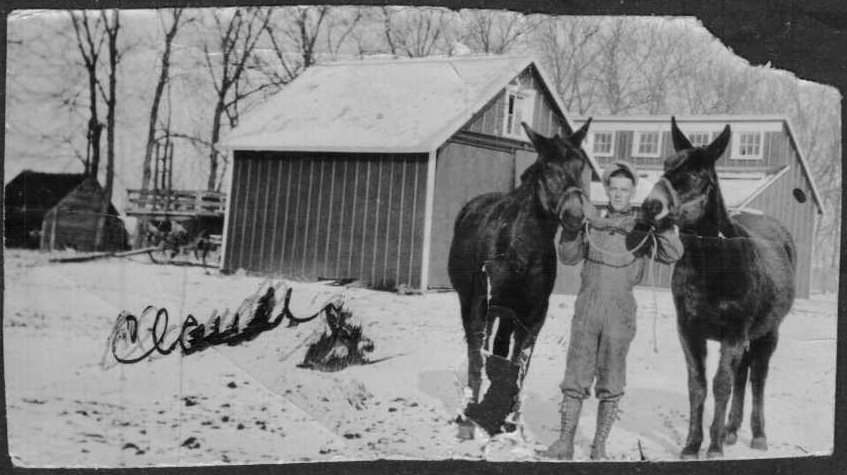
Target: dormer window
x=646, y=144
x=519, y=107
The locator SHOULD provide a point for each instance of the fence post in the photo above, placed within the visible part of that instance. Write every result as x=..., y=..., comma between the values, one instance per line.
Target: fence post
x=53, y=230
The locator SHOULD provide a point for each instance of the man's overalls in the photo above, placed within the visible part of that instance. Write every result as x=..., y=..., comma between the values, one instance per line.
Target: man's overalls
x=604, y=319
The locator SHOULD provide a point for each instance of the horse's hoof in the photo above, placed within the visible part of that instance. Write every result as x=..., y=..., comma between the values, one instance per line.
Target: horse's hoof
x=559, y=450
x=730, y=438
x=759, y=443
x=689, y=454
x=714, y=454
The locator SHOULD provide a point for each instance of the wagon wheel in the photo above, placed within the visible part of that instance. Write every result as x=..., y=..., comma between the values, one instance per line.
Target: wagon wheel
x=206, y=250
x=168, y=246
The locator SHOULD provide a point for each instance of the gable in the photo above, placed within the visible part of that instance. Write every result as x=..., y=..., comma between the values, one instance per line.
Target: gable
x=545, y=116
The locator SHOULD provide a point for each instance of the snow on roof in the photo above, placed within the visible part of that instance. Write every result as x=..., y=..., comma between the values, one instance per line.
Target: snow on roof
x=738, y=188
x=397, y=105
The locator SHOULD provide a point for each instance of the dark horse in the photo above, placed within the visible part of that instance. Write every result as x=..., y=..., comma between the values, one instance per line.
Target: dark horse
x=734, y=284
x=503, y=266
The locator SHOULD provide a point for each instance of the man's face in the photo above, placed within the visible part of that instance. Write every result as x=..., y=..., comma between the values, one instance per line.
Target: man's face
x=619, y=190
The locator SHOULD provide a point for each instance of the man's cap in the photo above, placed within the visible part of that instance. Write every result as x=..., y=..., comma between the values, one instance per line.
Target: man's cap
x=620, y=165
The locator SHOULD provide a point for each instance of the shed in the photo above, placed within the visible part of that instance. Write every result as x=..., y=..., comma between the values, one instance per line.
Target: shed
x=59, y=211
x=357, y=170
x=763, y=170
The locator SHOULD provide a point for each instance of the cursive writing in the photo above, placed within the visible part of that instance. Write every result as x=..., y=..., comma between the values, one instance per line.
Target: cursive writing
x=128, y=343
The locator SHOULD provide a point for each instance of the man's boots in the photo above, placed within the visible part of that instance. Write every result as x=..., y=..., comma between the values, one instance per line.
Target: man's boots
x=562, y=449
x=607, y=412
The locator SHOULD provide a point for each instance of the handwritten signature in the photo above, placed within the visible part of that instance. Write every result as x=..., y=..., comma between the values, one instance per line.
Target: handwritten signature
x=129, y=344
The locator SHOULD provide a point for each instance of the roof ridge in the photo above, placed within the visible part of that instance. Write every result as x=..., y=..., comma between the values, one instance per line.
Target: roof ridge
x=397, y=60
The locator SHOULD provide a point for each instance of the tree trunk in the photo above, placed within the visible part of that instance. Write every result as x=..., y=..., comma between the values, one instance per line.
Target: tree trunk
x=111, y=104
x=112, y=101
x=164, y=78
x=213, y=153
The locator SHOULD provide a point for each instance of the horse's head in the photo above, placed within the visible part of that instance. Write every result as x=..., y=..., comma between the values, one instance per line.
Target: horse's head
x=557, y=173
x=689, y=181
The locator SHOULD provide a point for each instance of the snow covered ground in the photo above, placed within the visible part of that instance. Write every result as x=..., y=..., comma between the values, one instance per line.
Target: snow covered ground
x=251, y=404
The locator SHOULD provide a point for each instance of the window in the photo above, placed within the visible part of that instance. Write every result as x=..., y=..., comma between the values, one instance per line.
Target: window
x=603, y=144
x=518, y=108
x=700, y=139
x=747, y=145
x=646, y=144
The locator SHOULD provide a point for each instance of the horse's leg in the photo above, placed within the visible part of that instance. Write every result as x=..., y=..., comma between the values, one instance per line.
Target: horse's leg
x=761, y=351
x=525, y=339
x=473, y=320
x=731, y=355
x=503, y=338
x=694, y=348
x=502, y=374
x=736, y=413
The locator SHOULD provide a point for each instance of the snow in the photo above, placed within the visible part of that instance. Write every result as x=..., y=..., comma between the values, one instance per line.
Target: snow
x=403, y=105
x=250, y=404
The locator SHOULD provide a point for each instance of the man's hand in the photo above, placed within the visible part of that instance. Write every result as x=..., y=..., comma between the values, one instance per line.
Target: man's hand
x=639, y=240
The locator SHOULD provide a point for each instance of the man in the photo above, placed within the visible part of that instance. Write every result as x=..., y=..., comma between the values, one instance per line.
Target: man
x=615, y=246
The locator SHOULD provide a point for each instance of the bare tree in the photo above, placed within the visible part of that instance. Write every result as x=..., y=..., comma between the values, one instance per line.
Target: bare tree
x=89, y=43
x=618, y=56
x=236, y=34
x=495, y=32
x=300, y=35
x=566, y=48
x=417, y=32
x=112, y=26
x=164, y=78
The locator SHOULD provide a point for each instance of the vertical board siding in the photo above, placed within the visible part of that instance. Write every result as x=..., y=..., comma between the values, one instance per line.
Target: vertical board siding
x=462, y=172
x=233, y=238
x=310, y=215
x=778, y=202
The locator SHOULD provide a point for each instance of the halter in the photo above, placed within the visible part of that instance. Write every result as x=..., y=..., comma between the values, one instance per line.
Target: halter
x=568, y=191
x=673, y=196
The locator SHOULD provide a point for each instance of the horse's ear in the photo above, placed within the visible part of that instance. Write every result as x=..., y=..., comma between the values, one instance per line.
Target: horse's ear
x=566, y=127
x=680, y=141
x=534, y=137
x=715, y=149
x=579, y=135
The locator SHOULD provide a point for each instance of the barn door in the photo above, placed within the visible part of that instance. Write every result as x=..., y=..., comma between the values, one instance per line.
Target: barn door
x=462, y=172
x=523, y=159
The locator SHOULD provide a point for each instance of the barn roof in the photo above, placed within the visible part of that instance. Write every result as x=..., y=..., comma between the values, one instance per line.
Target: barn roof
x=38, y=190
x=383, y=106
x=763, y=122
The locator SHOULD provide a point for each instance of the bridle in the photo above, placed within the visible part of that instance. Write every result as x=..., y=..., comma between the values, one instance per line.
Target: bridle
x=563, y=198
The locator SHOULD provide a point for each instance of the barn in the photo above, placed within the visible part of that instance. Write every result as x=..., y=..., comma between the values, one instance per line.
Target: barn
x=762, y=171
x=59, y=211
x=357, y=170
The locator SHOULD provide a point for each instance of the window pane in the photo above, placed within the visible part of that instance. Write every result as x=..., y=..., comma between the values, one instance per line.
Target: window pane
x=699, y=139
x=602, y=143
x=648, y=143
